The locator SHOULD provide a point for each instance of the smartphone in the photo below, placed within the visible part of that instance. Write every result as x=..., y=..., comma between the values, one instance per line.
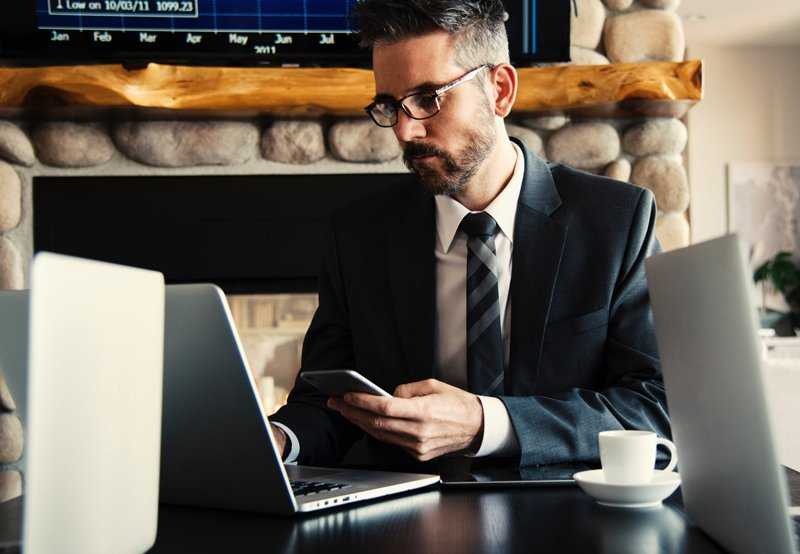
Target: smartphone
x=337, y=382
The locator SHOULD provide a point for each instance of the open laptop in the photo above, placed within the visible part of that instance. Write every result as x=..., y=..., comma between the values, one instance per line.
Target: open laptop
x=707, y=330
x=90, y=354
x=217, y=446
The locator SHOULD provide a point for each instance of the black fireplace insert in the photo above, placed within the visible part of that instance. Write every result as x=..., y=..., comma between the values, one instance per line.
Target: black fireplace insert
x=246, y=233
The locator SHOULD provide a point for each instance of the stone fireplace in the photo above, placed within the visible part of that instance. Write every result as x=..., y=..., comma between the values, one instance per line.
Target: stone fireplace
x=645, y=151
x=66, y=182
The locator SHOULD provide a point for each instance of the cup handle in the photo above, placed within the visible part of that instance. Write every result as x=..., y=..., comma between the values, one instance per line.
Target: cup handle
x=673, y=453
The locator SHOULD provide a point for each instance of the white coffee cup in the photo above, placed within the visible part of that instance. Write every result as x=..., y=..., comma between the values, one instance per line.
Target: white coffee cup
x=629, y=457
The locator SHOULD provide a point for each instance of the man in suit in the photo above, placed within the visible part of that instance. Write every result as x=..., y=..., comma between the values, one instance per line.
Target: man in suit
x=501, y=298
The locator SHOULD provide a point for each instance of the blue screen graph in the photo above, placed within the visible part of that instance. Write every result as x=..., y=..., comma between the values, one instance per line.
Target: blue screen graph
x=201, y=16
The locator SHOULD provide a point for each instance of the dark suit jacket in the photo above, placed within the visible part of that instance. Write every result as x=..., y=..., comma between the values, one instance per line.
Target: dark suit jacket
x=583, y=349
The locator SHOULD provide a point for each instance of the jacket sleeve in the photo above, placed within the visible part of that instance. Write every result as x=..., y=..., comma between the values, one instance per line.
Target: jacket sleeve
x=324, y=435
x=563, y=426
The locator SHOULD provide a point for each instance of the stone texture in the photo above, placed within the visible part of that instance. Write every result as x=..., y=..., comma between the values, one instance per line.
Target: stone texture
x=11, y=274
x=187, y=143
x=547, y=122
x=661, y=4
x=644, y=35
x=666, y=177
x=584, y=146
x=10, y=198
x=584, y=56
x=528, y=137
x=656, y=136
x=68, y=144
x=10, y=485
x=15, y=146
x=672, y=230
x=619, y=170
x=587, y=27
x=293, y=142
x=360, y=140
x=10, y=438
x=618, y=5
x=7, y=403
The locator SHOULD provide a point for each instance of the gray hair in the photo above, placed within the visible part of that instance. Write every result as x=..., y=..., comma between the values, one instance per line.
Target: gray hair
x=477, y=25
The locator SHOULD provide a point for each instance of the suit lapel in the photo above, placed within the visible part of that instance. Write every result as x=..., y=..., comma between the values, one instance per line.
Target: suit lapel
x=412, y=277
x=538, y=246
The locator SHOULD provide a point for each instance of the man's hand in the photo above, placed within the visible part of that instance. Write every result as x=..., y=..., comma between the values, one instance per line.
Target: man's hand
x=426, y=418
x=280, y=438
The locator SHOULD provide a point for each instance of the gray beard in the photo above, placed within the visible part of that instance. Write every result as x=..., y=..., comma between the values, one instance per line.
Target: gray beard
x=458, y=169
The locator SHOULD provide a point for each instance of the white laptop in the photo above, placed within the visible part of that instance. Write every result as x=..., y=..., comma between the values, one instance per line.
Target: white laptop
x=93, y=373
x=733, y=486
x=218, y=450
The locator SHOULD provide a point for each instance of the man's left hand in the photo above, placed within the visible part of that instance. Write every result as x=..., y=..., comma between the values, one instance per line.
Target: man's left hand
x=426, y=418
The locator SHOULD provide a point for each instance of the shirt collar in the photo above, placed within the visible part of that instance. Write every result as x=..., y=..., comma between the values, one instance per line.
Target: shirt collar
x=450, y=212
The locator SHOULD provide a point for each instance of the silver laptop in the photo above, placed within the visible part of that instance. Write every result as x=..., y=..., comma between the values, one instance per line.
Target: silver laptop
x=733, y=486
x=217, y=447
x=93, y=371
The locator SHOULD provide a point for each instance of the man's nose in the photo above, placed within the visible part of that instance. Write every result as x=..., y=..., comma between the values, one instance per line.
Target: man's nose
x=408, y=128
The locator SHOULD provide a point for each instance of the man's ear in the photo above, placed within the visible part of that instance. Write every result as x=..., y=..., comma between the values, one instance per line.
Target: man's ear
x=503, y=83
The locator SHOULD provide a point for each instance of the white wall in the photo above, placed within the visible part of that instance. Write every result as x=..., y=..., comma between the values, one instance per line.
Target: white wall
x=750, y=112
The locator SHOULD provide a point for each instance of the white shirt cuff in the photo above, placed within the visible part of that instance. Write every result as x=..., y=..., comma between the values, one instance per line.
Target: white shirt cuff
x=499, y=438
x=294, y=442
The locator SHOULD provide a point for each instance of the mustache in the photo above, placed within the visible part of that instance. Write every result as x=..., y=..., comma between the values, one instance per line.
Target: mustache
x=416, y=149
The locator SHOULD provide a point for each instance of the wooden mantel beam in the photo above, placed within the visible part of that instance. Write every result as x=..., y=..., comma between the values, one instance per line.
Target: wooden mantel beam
x=594, y=90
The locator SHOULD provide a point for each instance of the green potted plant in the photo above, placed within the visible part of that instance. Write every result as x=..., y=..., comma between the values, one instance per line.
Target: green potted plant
x=784, y=276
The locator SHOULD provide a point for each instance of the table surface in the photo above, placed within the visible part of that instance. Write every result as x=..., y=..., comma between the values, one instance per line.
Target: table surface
x=532, y=519
x=544, y=519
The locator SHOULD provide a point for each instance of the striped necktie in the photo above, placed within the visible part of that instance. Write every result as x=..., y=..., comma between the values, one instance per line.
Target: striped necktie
x=484, y=341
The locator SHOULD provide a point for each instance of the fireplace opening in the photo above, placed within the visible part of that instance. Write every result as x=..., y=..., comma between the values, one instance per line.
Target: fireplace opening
x=258, y=237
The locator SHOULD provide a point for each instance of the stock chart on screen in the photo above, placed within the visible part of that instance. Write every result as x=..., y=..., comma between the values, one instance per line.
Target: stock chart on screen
x=232, y=32
x=256, y=27
x=296, y=16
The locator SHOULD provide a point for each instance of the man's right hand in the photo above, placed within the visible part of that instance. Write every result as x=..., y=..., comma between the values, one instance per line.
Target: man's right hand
x=280, y=439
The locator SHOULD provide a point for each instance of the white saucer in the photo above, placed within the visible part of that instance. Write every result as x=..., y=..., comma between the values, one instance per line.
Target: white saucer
x=645, y=495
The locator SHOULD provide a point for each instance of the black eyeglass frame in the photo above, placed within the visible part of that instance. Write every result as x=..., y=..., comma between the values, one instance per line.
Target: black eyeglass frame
x=468, y=76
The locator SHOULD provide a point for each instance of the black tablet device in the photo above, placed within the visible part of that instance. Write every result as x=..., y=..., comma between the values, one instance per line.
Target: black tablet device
x=476, y=472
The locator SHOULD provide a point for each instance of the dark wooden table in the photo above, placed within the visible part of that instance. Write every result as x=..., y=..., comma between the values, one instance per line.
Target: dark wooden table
x=529, y=520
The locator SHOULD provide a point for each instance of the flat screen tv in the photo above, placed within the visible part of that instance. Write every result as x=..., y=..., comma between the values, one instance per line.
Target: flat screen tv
x=230, y=32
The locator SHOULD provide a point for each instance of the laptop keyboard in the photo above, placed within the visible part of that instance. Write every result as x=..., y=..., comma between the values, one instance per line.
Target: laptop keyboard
x=304, y=488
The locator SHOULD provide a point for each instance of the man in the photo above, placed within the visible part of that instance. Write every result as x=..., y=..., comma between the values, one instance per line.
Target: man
x=502, y=299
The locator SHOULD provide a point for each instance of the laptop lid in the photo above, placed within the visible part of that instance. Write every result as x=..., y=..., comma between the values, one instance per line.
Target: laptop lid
x=217, y=446
x=707, y=331
x=94, y=406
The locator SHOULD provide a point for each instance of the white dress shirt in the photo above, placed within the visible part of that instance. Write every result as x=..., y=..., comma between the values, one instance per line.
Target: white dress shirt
x=499, y=437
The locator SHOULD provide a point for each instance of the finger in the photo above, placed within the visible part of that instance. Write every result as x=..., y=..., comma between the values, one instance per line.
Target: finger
x=429, y=450
x=400, y=433
x=405, y=442
x=368, y=420
x=391, y=407
x=419, y=388
x=389, y=438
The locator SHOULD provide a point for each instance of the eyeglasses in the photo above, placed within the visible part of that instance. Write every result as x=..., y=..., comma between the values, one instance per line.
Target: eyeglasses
x=420, y=105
